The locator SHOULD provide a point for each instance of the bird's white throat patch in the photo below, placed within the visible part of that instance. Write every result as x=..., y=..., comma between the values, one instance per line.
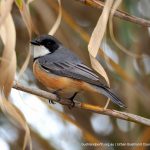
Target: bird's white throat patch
x=39, y=51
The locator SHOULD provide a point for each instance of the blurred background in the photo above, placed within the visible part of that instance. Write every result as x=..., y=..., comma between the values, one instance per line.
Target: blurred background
x=55, y=127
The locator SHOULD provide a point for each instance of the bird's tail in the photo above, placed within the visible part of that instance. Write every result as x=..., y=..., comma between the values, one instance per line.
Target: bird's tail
x=108, y=93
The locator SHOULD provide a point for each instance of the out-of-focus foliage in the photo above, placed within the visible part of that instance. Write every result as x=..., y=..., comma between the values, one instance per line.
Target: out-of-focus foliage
x=57, y=127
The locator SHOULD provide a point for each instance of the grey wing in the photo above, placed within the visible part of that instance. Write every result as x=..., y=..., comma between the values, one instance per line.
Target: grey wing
x=73, y=70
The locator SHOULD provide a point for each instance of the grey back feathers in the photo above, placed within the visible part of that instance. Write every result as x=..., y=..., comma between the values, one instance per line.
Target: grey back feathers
x=64, y=62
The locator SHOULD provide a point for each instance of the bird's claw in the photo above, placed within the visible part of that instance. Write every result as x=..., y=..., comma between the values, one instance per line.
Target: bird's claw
x=51, y=102
x=71, y=105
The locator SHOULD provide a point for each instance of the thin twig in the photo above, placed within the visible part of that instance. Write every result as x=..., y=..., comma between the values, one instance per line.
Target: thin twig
x=118, y=13
x=96, y=109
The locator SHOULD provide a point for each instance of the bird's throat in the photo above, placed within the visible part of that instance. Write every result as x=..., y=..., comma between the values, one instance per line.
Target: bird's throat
x=39, y=51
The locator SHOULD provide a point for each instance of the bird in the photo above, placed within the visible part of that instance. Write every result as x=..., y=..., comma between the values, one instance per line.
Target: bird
x=62, y=72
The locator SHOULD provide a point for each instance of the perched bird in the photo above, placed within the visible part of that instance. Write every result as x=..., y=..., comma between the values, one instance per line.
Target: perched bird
x=62, y=72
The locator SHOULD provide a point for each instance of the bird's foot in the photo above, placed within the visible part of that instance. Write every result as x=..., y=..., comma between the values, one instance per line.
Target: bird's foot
x=72, y=104
x=51, y=101
x=55, y=92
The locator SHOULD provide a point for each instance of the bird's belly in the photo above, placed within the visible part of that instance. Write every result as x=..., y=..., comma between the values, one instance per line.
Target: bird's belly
x=65, y=86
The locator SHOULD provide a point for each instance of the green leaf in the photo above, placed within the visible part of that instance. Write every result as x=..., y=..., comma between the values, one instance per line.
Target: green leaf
x=19, y=3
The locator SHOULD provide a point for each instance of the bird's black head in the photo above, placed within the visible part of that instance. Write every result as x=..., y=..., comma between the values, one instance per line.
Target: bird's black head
x=48, y=41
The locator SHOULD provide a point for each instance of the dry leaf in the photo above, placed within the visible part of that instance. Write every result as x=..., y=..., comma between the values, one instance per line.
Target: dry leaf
x=58, y=20
x=25, y=13
x=29, y=1
x=96, y=39
x=98, y=67
x=5, y=8
x=8, y=70
x=8, y=67
x=121, y=47
x=99, y=30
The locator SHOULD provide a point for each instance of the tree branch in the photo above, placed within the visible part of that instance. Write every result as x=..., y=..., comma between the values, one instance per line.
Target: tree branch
x=118, y=13
x=92, y=108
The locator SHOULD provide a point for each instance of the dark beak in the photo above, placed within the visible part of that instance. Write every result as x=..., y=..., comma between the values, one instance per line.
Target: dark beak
x=34, y=42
